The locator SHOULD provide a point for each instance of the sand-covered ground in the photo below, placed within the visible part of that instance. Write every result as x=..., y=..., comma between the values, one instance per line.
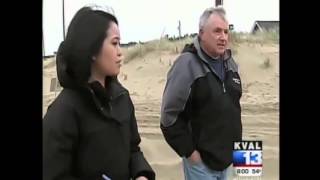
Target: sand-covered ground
x=145, y=77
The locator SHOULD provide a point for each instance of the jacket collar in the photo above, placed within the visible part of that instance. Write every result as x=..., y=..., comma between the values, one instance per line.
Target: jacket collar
x=102, y=97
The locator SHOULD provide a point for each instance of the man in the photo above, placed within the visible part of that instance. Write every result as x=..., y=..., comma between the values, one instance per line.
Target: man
x=201, y=113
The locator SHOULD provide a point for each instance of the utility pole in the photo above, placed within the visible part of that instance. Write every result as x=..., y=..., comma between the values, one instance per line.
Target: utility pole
x=64, y=34
x=43, y=53
x=179, y=29
x=219, y=2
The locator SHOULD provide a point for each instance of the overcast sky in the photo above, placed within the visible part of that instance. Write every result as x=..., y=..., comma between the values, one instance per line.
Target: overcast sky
x=144, y=20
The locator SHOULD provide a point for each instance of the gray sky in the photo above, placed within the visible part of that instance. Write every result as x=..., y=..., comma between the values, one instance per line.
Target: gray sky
x=144, y=20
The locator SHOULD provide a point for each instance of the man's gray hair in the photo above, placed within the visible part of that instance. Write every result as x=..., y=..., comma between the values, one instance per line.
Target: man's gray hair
x=212, y=10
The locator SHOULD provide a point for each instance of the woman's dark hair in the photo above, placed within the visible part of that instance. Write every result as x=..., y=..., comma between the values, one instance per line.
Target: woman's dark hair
x=85, y=36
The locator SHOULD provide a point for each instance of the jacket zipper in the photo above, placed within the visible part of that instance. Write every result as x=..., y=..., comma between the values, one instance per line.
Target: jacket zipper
x=213, y=72
x=224, y=89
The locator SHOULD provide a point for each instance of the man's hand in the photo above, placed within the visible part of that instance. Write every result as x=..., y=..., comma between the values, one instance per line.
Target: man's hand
x=141, y=178
x=195, y=157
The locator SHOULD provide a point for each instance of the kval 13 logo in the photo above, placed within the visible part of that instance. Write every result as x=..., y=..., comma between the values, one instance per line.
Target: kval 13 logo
x=247, y=158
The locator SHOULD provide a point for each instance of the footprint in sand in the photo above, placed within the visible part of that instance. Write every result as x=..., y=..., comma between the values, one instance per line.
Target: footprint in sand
x=138, y=68
x=134, y=94
x=161, y=81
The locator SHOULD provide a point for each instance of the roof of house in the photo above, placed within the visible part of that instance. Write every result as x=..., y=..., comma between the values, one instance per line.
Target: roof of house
x=265, y=25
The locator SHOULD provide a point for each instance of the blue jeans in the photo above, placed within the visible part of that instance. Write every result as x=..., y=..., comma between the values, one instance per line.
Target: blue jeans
x=200, y=171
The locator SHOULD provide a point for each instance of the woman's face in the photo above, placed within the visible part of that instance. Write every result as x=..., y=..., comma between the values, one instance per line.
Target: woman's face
x=107, y=62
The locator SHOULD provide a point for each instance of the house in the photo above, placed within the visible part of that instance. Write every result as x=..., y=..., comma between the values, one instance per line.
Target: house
x=242, y=14
x=262, y=26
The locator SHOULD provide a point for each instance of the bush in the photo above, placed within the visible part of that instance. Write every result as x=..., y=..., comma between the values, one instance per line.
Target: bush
x=140, y=50
x=266, y=63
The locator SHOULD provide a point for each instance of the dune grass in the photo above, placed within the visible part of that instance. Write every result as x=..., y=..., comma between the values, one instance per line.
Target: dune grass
x=175, y=47
x=158, y=46
x=259, y=37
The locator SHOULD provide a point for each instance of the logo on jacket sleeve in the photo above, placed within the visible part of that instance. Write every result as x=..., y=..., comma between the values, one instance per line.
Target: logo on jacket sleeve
x=105, y=177
x=236, y=80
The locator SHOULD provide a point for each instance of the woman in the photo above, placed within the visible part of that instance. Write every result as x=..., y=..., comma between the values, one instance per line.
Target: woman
x=90, y=131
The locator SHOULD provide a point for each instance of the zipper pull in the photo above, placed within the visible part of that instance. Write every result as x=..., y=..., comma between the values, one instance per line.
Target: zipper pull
x=224, y=89
x=110, y=107
x=109, y=103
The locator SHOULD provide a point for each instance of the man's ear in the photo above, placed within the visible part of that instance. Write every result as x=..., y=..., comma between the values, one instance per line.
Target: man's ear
x=200, y=32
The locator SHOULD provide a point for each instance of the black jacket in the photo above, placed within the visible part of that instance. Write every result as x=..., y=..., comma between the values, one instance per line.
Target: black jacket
x=90, y=131
x=84, y=139
x=200, y=111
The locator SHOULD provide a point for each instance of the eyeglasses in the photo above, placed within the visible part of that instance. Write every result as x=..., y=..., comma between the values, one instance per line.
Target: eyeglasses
x=105, y=8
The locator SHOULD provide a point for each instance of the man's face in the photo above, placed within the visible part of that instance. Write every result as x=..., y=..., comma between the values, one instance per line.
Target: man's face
x=214, y=36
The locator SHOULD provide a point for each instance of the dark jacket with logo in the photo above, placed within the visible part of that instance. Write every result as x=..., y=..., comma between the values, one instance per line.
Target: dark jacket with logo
x=199, y=110
x=90, y=132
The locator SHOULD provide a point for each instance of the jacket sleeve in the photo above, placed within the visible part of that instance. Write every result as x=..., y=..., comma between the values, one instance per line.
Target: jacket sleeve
x=138, y=164
x=59, y=141
x=175, y=103
x=179, y=135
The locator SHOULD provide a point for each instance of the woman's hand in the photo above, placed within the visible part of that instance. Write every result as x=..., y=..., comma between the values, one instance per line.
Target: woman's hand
x=141, y=178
